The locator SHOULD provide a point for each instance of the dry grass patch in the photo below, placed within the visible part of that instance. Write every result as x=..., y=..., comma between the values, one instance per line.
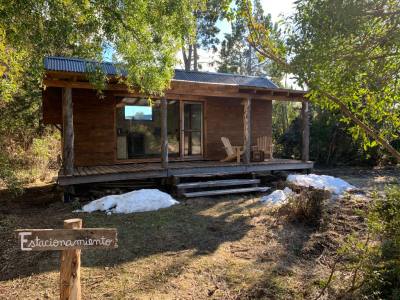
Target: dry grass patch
x=206, y=248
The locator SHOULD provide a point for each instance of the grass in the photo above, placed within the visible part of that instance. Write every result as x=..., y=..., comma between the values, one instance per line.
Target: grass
x=205, y=248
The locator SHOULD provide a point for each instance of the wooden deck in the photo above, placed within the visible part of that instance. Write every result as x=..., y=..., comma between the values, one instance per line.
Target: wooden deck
x=188, y=168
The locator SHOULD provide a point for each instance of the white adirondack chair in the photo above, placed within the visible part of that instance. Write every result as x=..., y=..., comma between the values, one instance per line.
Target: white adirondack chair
x=232, y=152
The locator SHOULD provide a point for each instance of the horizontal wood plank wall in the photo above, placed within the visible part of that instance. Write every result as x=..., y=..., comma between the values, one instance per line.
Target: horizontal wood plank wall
x=94, y=124
x=52, y=106
x=94, y=128
x=225, y=118
x=261, y=112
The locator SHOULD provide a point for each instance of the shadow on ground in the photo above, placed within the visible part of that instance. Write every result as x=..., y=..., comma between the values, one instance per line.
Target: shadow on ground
x=187, y=226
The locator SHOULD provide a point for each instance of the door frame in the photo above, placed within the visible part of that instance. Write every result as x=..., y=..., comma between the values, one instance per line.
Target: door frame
x=182, y=130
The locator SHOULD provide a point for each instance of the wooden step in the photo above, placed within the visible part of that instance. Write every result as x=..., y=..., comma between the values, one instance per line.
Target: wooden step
x=224, y=192
x=216, y=183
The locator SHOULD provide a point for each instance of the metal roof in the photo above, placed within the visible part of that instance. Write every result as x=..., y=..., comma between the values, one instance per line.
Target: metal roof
x=77, y=65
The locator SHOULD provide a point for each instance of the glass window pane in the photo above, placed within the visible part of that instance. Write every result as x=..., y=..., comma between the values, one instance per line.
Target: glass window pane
x=138, y=113
x=192, y=143
x=139, y=129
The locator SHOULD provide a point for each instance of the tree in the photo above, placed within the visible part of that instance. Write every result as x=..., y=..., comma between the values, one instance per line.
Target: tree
x=237, y=54
x=146, y=36
x=347, y=53
x=205, y=33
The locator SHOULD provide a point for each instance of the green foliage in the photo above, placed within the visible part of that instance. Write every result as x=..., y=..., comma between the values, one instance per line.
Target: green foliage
x=7, y=174
x=238, y=56
x=206, y=33
x=348, y=54
x=331, y=142
x=384, y=222
x=145, y=35
x=371, y=260
x=351, y=49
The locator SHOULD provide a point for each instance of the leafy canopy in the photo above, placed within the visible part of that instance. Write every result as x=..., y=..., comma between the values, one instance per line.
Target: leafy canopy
x=145, y=35
x=347, y=53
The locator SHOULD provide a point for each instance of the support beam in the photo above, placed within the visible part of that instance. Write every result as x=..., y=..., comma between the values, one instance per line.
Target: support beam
x=68, y=132
x=305, y=130
x=247, y=129
x=164, y=133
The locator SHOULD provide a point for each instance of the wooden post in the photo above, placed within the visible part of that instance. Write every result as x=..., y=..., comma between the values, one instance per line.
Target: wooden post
x=305, y=130
x=68, y=131
x=247, y=129
x=70, y=278
x=164, y=133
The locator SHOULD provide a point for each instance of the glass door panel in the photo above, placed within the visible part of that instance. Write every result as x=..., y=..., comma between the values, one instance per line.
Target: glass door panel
x=192, y=129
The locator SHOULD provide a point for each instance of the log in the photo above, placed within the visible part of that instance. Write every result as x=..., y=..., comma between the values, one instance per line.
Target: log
x=70, y=285
x=305, y=130
x=247, y=130
x=68, y=132
x=164, y=133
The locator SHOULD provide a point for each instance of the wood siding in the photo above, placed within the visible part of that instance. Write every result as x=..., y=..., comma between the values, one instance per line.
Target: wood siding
x=225, y=118
x=94, y=128
x=94, y=124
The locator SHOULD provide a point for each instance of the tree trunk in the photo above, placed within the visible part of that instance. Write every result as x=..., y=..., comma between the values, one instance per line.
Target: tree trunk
x=247, y=129
x=195, y=58
x=187, y=58
x=68, y=131
x=305, y=130
x=164, y=133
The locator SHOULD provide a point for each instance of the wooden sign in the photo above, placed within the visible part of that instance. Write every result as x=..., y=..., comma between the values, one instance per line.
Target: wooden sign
x=66, y=239
x=70, y=240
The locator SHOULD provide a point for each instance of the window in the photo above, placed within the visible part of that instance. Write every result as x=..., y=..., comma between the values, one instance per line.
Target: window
x=139, y=128
x=138, y=113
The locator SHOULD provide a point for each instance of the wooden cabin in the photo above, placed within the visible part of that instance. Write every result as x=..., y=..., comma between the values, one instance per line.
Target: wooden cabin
x=121, y=136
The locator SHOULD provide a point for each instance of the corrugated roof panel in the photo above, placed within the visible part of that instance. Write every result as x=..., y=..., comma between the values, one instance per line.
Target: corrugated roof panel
x=78, y=65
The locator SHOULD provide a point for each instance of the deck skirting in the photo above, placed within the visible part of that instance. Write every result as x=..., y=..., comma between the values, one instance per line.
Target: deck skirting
x=142, y=171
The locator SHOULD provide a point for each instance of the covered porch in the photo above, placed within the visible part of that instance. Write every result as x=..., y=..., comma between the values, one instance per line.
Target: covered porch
x=118, y=137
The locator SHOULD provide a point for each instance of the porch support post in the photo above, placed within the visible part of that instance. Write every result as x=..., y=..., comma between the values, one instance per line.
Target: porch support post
x=305, y=130
x=247, y=129
x=68, y=131
x=164, y=133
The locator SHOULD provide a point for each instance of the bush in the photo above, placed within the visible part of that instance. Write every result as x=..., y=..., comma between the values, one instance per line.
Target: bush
x=383, y=278
x=307, y=206
x=369, y=262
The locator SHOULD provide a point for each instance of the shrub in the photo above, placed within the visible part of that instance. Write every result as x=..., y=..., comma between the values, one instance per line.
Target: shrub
x=307, y=206
x=383, y=277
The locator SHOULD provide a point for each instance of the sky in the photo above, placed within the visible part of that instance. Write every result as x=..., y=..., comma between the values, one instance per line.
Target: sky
x=278, y=10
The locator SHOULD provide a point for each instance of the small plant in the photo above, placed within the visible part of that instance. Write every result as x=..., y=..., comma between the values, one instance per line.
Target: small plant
x=371, y=260
x=307, y=206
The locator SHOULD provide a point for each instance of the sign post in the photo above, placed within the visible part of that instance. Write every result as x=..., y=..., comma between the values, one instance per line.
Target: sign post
x=70, y=270
x=70, y=240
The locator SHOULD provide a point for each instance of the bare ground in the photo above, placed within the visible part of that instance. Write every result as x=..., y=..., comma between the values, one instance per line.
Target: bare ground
x=205, y=248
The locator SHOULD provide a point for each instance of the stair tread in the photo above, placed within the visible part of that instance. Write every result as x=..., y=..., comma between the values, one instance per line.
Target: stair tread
x=223, y=192
x=215, y=183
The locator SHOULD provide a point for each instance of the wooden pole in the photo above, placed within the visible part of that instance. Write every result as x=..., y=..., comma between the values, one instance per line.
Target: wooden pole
x=247, y=129
x=68, y=131
x=305, y=130
x=70, y=277
x=164, y=133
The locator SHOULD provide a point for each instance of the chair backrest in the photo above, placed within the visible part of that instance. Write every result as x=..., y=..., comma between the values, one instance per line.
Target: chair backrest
x=264, y=143
x=227, y=145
